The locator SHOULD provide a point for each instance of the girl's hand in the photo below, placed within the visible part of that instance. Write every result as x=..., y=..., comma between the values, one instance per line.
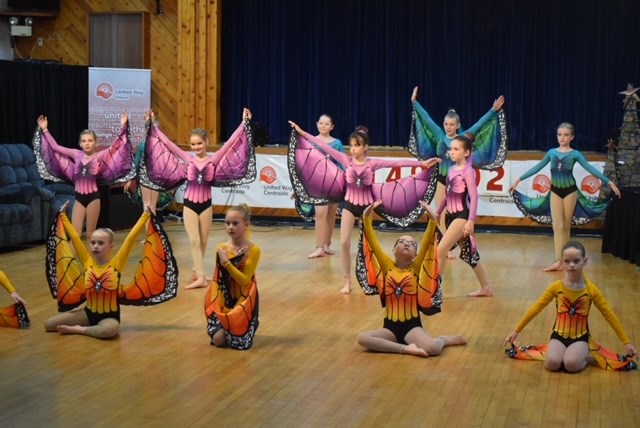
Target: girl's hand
x=43, y=123
x=16, y=298
x=468, y=228
x=223, y=255
x=147, y=207
x=498, y=103
x=615, y=189
x=296, y=127
x=430, y=212
x=414, y=95
x=63, y=208
x=124, y=118
x=367, y=211
x=246, y=113
x=631, y=350
x=431, y=162
x=513, y=186
x=511, y=338
x=129, y=186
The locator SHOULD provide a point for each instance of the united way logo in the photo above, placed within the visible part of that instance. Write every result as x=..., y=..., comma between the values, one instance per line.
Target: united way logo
x=541, y=183
x=268, y=175
x=590, y=185
x=104, y=90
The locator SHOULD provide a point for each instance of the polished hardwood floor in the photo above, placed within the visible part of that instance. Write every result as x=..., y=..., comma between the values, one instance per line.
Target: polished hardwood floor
x=305, y=368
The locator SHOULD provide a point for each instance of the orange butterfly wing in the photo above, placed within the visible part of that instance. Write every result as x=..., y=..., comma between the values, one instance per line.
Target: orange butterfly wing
x=156, y=278
x=65, y=274
x=14, y=316
x=429, y=290
x=368, y=272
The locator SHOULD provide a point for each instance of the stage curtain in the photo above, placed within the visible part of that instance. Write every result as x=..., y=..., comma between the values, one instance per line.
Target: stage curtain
x=30, y=89
x=359, y=60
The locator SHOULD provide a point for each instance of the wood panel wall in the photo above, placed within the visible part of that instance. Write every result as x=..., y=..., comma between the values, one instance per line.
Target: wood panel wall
x=183, y=51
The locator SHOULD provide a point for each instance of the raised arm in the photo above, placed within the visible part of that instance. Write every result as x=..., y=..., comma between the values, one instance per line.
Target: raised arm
x=43, y=123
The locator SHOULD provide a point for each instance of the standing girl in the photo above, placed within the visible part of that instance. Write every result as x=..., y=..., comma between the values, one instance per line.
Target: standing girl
x=359, y=176
x=231, y=302
x=429, y=139
x=569, y=344
x=325, y=213
x=564, y=197
x=84, y=168
x=201, y=171
x=461, y=203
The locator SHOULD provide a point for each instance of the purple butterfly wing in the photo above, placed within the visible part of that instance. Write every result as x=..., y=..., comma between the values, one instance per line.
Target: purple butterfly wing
x=400, y=198
x=317, y=174
x=236, y=160
x=159, y=168
x=116, y=163
x=52, y=165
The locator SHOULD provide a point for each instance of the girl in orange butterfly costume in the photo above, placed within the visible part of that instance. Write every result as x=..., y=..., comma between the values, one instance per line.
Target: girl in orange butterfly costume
x=410, y=285
x=570, y=339
x=231, y=302
x=94, y=276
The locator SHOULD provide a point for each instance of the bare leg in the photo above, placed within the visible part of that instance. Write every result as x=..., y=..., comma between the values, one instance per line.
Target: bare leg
x=198, y=227
x=439, y=196
x=346, y=228
x=321, y=232
x=555, y=355
x=219, y=339
x=449, y=239
x=383, y=340
x=561, y=216
x=575, y=357
x=77, y=218
x=330, y=227
x=93, y=212
x=73, y=317
x=149, y=197
x=485, y=287
x=76, y=322
x=431, y=346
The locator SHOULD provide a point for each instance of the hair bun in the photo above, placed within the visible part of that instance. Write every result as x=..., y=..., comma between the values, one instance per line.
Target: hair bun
x=362, y=129
x=469, y=136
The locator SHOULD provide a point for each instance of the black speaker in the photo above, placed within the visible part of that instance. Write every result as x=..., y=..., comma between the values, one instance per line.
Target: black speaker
x=34, y=5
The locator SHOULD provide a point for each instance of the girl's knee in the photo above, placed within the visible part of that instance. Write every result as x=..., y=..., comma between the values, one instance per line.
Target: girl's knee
x=552, y=365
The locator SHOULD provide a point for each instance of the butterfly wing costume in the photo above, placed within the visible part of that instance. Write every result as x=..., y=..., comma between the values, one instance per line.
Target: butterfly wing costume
x=231, y=302
x=76, y=278
x=164, y=166
x=428, y=140
x=321, y=174
x=14, y=315
x=405, y=292
x=563, y=183
x=114, y=164
x=572, y=315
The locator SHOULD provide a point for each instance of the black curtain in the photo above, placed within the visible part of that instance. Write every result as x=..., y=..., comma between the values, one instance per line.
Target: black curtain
x=29, y=89
x=358, y=60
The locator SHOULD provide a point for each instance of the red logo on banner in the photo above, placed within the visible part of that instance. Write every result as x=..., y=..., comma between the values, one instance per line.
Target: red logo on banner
x=268, y=175
x=590, y=185
x=541, y=183
x=104, y=90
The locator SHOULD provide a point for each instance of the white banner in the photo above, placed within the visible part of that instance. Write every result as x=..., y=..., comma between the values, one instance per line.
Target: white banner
x=272, y=188
x=112, y=91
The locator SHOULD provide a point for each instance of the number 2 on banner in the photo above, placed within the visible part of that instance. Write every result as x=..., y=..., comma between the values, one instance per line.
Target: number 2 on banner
x=492, y=182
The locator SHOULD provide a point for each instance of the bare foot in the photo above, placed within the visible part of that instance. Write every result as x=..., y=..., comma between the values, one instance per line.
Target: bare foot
x=412, y=349
x=194, y=276
x=554, y=267
x=450, y=255
x=319, y=252
x=198, y=283
x=454, y=340
x=71, y=329
x=483, y=292
x=328, y=251
x=346, y=288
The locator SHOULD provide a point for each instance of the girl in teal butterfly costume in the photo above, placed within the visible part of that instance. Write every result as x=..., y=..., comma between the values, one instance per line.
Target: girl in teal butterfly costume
x=564, y=204
x=428, y=140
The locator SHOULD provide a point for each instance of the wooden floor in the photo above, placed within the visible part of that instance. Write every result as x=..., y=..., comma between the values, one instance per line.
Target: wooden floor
x=305, y=368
